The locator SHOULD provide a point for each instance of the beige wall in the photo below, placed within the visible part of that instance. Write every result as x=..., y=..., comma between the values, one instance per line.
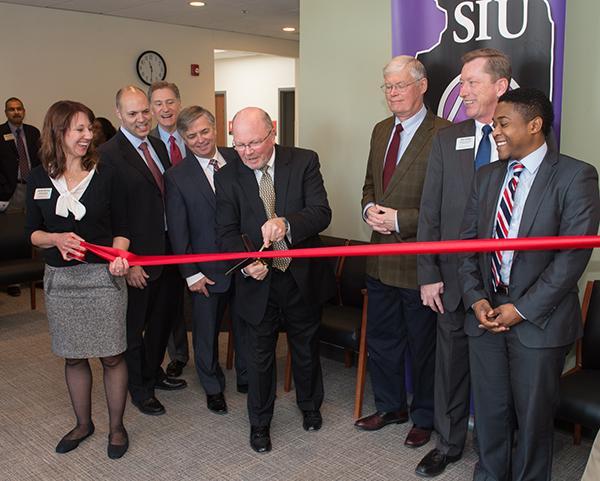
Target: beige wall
x=49, y=55
x=343, y=46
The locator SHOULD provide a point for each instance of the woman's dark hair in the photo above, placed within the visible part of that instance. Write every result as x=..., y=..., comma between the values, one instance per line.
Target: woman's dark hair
x=56, y=123
x=107, y=128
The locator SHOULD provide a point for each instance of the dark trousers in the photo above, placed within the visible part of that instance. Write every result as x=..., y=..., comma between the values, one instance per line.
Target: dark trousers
x=301, y=321
x=207, y=315
x=177, y=346
x=149, y=315
x=397, y=320
x=452, y=382
x=514, y=385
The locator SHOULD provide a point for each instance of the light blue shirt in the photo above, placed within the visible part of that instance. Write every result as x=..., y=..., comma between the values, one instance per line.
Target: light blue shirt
x=532, y=164
x=165, y=136
x=136, y=142
x=409, y=127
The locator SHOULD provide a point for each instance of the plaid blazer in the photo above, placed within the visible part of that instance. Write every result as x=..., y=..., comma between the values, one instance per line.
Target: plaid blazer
x=403, y=194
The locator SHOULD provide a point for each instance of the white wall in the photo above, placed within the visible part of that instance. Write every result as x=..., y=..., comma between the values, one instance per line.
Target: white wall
x=343, y=46
x=254, y=81
x=50, y=54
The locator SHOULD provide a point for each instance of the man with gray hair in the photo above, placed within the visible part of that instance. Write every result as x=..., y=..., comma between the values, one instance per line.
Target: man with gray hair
x=190, y=206
x=456, y=154
x=397, y=321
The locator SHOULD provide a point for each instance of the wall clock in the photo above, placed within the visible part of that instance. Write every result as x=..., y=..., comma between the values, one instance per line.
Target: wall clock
x=151, y=67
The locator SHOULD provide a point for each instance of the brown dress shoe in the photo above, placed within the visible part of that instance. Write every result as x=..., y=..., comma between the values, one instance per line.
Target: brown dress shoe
x=380, y=419
x=417, y=437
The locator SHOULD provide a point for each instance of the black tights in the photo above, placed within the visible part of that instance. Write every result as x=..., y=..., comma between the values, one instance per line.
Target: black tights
x=79, y=382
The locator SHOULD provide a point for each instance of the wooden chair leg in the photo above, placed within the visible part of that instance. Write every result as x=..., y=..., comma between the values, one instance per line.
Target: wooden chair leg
x=287, y=383
x=348, y=357
x=32, y=295
x=362, y=362
x=230, y=346
x=577, y=434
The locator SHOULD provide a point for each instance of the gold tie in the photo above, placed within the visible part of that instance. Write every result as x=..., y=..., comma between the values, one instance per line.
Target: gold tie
x=266, y=191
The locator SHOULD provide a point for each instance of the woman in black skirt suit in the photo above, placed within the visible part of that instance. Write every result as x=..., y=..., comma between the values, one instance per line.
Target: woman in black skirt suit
x=70, y=199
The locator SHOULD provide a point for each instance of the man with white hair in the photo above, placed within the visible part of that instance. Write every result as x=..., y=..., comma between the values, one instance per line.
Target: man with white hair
x=397, y=320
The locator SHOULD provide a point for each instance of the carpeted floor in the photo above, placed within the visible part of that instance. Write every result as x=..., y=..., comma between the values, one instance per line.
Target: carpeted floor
x=189, y=442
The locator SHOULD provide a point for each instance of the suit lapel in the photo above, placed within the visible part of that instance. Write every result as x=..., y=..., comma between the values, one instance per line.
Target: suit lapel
x=134, y=159
x=250, y=187
x=536, y=193
x=196, y=179
x=466, y=158
x=496, y=180
x=380, y=143
x=282, y=177
x=5, y=130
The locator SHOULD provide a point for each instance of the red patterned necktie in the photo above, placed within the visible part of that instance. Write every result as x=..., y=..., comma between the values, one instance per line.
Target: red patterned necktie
x=23, y=161
x=503, y=217
x=392, y=156
x=156, y=173
x=214, y=164
x=174, y=152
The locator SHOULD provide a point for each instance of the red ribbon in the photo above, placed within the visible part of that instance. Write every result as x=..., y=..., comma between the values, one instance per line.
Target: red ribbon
x=407, y=248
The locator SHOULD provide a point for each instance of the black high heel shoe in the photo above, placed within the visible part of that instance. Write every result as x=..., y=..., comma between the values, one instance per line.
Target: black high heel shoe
x=66, y=445
x=115, y=451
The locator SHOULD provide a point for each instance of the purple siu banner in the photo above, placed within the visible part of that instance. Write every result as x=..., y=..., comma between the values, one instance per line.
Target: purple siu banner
x=439, y=32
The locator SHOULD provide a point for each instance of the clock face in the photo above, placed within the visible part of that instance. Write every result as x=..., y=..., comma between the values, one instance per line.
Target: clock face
x=151, y=67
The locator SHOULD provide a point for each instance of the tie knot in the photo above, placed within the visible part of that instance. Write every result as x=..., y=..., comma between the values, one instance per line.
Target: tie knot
x=172, y=139
x=517, y=167
x=144, y=147
x=486, y=129
x=214, y=164
x=399, y=128
x=265, y=169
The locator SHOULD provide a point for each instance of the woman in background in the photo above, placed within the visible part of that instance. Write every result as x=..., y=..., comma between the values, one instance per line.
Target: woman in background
x=70, y=198
x=103, y=130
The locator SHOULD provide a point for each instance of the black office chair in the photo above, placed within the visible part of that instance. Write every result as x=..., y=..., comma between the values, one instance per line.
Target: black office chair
x=580, y=387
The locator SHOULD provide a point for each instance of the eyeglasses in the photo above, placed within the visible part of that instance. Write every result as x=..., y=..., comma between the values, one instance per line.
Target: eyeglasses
x=251, y=145
x=400, y=87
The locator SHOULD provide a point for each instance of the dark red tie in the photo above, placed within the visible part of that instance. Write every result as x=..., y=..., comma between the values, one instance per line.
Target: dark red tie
x=391, y=157
x=23, y=161
x=156, y=173
x=174, y=152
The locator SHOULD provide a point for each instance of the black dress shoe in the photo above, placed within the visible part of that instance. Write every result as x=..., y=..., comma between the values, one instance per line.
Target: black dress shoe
x=434, y=463
x=116, y=451
x=150, y=406
x=66, y=445
x=312, y=420
x=242, y=388
x=14, y=290
x=170, y=384
x=260, y=439
x=174, y=368
x=380, y=419
x=216, y=403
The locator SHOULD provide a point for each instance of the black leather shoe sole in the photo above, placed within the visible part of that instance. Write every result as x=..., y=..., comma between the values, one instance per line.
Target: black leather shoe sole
x=66, y=445
x=434, y=464
x=170, y=384
x=150, y=411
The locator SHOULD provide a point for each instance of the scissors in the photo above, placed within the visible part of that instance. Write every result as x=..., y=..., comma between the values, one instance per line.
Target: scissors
x=250, y=248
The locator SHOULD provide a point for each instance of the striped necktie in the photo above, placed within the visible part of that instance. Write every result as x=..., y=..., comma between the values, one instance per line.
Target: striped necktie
x=503, y=217
x=23, y=160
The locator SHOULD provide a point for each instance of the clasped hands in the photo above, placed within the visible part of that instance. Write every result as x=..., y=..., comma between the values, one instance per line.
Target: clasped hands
x=272, y=231
x=381, y=219
x=69, y=245
x=498, y=319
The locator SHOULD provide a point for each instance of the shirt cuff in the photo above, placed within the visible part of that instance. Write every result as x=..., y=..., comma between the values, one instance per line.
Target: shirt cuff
x=193, y=279
x=364, y=211
x=519, y=312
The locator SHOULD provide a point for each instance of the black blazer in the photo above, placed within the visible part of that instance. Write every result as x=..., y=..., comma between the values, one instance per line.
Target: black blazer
x=301, y=199
x=145, y=208
x=191, y=208
x=9, y=158
x=156, y=134
x=563, y=201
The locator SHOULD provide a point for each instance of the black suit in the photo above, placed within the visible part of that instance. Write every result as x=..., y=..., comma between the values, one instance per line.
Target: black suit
x=293, y=297
x=515, y=374
x=9, y=158
x=191, y=204
x=149, y=309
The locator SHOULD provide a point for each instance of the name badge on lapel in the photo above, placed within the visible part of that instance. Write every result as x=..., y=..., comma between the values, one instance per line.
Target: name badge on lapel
x=464, y=143
x=42, y=194
x=9, y=137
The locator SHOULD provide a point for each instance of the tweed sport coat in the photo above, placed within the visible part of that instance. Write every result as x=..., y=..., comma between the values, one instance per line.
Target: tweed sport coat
x=403, y=194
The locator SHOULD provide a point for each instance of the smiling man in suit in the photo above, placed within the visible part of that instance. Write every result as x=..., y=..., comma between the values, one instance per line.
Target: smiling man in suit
x=392, y=189
x=191, y=203
x=523, y=308
x=457, y=152
x=19, y=144
x=276, y=197
x=165, y=103
x=141, y=162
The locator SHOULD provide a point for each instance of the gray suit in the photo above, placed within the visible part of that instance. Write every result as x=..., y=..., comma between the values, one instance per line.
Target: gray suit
x=445, y=193
x=515, y=374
